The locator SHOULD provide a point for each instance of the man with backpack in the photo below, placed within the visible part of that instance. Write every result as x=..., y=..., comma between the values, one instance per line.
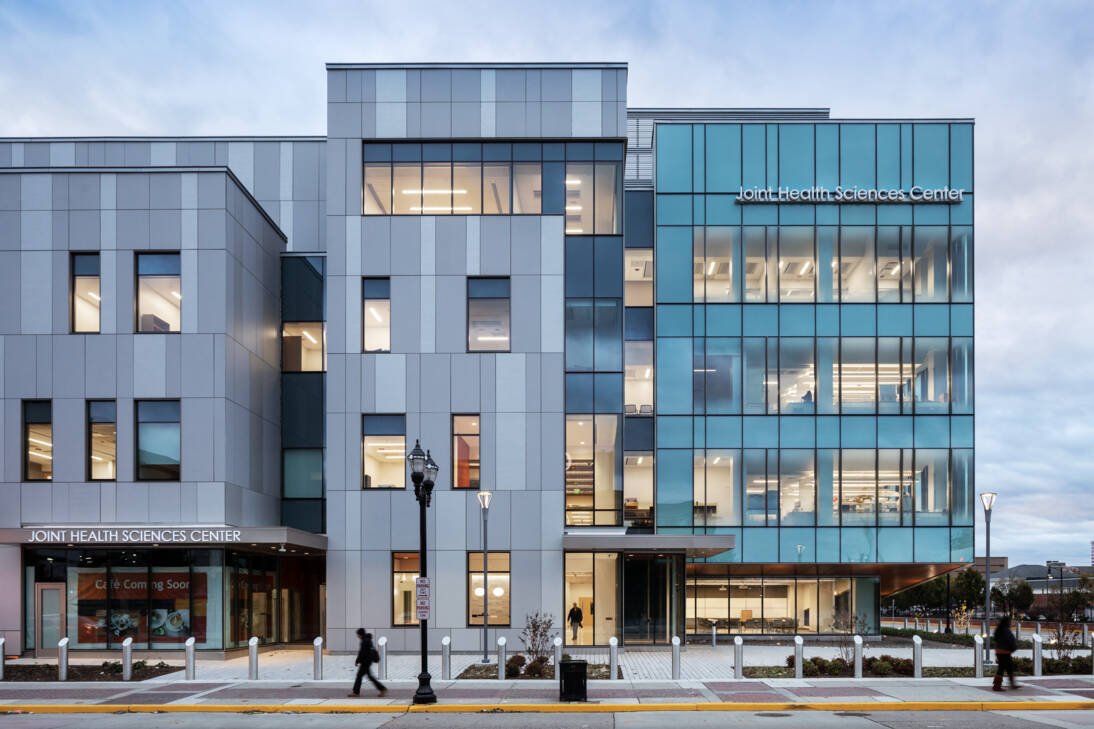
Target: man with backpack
x=366, y=656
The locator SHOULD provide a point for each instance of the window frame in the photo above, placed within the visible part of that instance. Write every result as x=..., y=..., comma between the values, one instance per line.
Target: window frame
x=322, y=325
x=414, y=623
x=406, y=475
x=72, y=275
x=467, y=312
x=364, y=322
x=137, y=276
x=470, y=593
x=25, y=442
x=478, y=435
x=89, y=422
x=137, y=437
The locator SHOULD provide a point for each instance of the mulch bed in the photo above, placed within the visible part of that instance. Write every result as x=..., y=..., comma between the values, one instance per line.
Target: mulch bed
x=596, y=671
x=80, y=672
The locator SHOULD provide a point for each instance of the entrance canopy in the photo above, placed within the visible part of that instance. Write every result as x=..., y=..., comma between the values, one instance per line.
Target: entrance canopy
x=617, y=540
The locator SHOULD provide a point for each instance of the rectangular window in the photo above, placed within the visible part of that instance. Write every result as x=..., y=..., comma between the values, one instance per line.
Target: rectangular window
x=159, y=293
x=404, y=570
x=527, y=188
x=594, y=470
x=37, y=440
x=465, y=451
x=930, y=263
x=102, y=440
x=638, y=277
x=579, y=199
x=383, y=448
x=797, y=385
x=86, y=296
x=302, y=473
x=931, y=374
x=638, y=380
x=858, y=487
x=593, y=595
x=159, y=440
x=487, y=315
x=638, y=490
x=796, y=269
x=858, y=375
x=376, y=314
x=304, y=347
x=856, y=264
x=496, y=592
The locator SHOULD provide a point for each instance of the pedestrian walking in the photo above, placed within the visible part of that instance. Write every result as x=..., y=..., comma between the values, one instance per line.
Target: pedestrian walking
x=574, y=618
x=366, y=656
x=1005, y=645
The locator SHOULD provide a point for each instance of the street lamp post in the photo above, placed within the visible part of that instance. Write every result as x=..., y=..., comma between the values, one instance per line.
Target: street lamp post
x=423, y=471
x=988, y=500
x=484, y=506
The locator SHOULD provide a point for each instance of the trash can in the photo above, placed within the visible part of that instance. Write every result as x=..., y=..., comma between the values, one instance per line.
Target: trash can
x=573, y=677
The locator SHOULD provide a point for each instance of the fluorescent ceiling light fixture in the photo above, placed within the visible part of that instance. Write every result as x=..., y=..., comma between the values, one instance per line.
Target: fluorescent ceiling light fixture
x=375, y=314
x=94, y=295
x=434, y=192
x=574, y=231
x=441, y=208
x=805, y=268
x=716, y=459
x=640, y=459
x=96, y=458
x=388, y=445
x=36, y=454
x=41, y=442
x=573, y=208
x=309, y=336
x=648, y=371
x=479, y=592
x=572, y=181
x=713, y=265
x=498, y=592
x=177, y=295
x=492, y=338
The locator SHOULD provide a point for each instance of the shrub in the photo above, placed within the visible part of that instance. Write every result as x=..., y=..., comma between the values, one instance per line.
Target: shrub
x=790, y=661
x=809, y=668
x=538, y=667
x=881, y=668
x=1081, y=664
x=141, y=665
x=566, y=657
x=538, y=634
x=513, y=666
x=112, y=666
x=837, y=667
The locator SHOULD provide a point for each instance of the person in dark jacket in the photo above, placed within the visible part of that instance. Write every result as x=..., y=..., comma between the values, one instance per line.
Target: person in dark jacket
x=366, y=656
x=574, y=618
x=1005, y=645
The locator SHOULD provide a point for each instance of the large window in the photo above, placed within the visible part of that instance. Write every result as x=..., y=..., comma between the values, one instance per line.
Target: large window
x=638, y=490
x=638, y=380
x=37, y=440
x=159, y=293
x=86, y=294
x=592, y=594
x=404, y=571
x=487, y=315
x=594, y=470
x=159, y=440
x=376, y=314
x=302, y=488
x=383, y=449
x=465, y=451
x=497, y=588
x=102, y=440
x=304, y=347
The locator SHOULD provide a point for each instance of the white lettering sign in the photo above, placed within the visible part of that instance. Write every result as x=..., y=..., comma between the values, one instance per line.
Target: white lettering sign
x=856, y=194
x=134, y=536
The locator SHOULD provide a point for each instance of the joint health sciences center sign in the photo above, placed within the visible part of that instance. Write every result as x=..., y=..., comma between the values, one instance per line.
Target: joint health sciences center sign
x=839, y=194
x=134, y=536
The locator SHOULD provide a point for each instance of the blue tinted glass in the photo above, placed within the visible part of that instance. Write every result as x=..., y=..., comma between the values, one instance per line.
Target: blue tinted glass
x=796, y=432
x=302, y=409
x=579, y=335
x=905, y=156
x=377, y=153
x=857, y=155
x=158, y=450
x=961, y=544
x=674, y=209
x=466, y=152
x=638, y=212
x=760, y=319
x=158, y=411
x=608, y=315
x=932, y=431
x=723, y=375
x=554, y=151
x=827, y=155
x=753, y=156
x=796, y=320
x=436, y=152
x=858, y=320
x=674, y=431
x=828, y=545
x=932, y=544
x=579, y=393
x=723, y=161
x=894, y=545
x=722, y=210
x=407, y=152
x=723, y=320
x=526, y=152
x=961, y=265
x=888, y=156
x=303, y=514
x=723, y=432
x=609, y=151
x=638, y=323
x=302, y=473
x=858, y=544
x=698, y=173
x=85, y=264
x=158, y=264
x=488, y=288
x=961, y=431
x=894, y=431
x=609, y=266
x=674, y=375
x=638, y=434
x=961, y=156
x=674, y=264
x=796, y=155
x=101, y=411
x=673, y=158
x=376, y=288
x=797, y=545
x=554, y=188
x=497, y=152
x=963, y=488
x=894, y=320
x=932, y=319
x=579, y=266
x=760, y=545
x=674, y=487
x=858, y=431
x=608, y=393
x=580, y=151
x=772, y=154
x=931, y=155
x=674, y=321
x=384, y=425
x=761, y=431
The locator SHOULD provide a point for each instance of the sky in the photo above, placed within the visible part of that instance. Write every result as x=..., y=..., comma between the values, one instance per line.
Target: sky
x=1023, y=70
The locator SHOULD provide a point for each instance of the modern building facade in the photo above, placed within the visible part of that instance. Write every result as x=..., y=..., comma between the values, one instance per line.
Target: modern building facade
x=715, y=366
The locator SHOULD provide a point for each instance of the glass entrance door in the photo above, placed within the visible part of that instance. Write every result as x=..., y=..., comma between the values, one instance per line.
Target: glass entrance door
x=49, y=617
x=653, y=589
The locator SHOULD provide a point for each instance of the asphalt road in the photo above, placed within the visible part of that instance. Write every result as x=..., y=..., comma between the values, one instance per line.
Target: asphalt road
x=624, y=720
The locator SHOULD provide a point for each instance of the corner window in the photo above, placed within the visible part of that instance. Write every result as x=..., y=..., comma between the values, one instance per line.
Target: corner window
x=487, y=315
x=496, y=592
x=404, y=571
x=304, y=347
x=465, y=451
x=86, y=296
x=383, y=448
x=102, y=440
x=159, y=440
x=37, y=440
x=159, y=293
x=376, y=314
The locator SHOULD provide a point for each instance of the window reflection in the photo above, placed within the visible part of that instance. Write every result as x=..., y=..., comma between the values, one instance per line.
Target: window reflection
x=638, y=490
x=931, y=486
x=527, y=188
x=930, y=263
x=609, y=194
x=856, y=264
x=931, y=373
x=159, y=292
x=638, y=384
x=857, y=375
x=796, y=269
x=487, y=315
x=797, y=386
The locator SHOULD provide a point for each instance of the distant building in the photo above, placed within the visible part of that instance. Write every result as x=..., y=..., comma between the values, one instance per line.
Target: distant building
x=998, y=565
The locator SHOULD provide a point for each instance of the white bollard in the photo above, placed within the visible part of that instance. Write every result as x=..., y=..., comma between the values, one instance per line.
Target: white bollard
x=1038, y=627
x=501, y=658
x=127, y=659
x=190, y=658
x=905, y=623
x=381, y=648
x=858, y=656
x=675, y=658
x=62, y=659
x=2, y=642
x=252, y=655
x=1037, y=655
x=738, y=657
x=917, y=623
x=558, y=657
x=713, y=633
x=1018, y=630
x=613, y=658
x=1086, y=637
x=317, y=658
x=917, y=656
x=798, y=651
x=978, y=655
x=446, y=658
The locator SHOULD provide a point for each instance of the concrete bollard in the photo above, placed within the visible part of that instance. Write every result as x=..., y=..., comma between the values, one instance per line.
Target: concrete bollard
x=1037, y=655
x=62, y=659
x=738, y=657
x=978, y=655
x=127, y=659
x=675, y=658
x=798, y=651
x=558, y=657
x=381, y=648
x=317, y=658
x=252, y=658
x=917, y=656
x=501, y=658
x=613, y=658
x=858, y=656
x=446, y=658
x=190, y=658
x=2, y=642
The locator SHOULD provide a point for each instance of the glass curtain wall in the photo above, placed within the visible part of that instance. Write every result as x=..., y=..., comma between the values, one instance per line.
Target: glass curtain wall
x=592, y=587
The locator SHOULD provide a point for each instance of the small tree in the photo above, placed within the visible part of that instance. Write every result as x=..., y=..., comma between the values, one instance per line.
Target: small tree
x=968, y=587
x=1012, y=596
x=848, y=625
x=962, y=617
x=537, y=634
x=1066, y=603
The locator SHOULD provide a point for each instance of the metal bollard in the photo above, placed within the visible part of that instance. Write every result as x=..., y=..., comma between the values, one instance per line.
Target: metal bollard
x=1038, y=627
x=1091, y=656
x=558, y=657
x=713, y=634
x=858, y=656
x=446, y=658
x=917, y=623
x=917, y=656
x=738, y=657
x=613, y=658
x=501, y=658
x=317, y=659
x=978, y=655
x=62, y=659
x=190, y=658
x=905, y=623
x=1018, y=630
x=252, y=658
x=1086, y=637
x=2, y=642
x=1037, y=655
x=675, y=658
x=127, y=659
x=381, y=648
x=798, y=651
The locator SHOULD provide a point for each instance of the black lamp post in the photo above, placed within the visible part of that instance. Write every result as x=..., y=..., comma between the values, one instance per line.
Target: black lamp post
x=423, y=470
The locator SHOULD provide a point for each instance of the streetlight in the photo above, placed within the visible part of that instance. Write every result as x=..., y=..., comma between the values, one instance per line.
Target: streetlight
x=423, y=471
x=988, y=500
x=484, y=506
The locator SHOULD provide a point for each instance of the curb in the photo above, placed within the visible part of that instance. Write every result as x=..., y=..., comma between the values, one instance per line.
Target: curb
x=575, y=708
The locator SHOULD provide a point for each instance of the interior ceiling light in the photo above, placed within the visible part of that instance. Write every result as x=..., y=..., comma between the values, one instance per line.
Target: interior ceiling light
x=94, y=295
x=177, y=295
x=41, y=442
x=309, y=336
x=375, y=314
x=434, y=192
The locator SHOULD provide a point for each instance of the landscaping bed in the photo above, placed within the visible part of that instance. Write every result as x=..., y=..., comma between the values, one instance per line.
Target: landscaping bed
x=949, y=638
x=518, y=667
x=107, y=671
x=885, y=666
